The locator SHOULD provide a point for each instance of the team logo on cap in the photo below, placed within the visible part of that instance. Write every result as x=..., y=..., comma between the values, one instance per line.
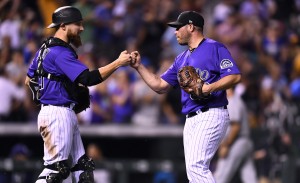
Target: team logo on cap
x=226, y=63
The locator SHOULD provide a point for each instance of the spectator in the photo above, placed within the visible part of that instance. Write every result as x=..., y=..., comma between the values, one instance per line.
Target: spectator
x=101, y=175
x=222, y=10
x=149, y=36
x=16, y=68
x=9, y=92
x=101, y=105
x=120, y=90
x=86, y=8
x=146, y=102
x=19, y=154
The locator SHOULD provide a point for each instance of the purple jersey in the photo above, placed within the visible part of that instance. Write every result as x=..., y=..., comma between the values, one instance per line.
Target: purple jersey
x=59, y=61
x=213, y=62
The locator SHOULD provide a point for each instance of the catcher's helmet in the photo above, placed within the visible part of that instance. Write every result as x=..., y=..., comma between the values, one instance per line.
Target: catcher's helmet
x=65, y=14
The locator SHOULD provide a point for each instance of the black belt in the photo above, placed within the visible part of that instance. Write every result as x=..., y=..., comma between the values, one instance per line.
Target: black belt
x=204, y=109
x=71, y=106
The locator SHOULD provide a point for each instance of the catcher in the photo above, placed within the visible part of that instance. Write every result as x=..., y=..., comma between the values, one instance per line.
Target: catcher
x=60, y=79
x=204, y=72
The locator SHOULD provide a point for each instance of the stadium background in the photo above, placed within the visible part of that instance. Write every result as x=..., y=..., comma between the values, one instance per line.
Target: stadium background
x=144, y=142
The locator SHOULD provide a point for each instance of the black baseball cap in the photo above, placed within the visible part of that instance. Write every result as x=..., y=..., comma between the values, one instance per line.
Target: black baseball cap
x=65, y=14
x=188, y=17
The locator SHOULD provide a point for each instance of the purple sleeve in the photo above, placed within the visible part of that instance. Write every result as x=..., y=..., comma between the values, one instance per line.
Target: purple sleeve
x=170, y=75
x=226, y=63
x=33, y=66
x=69, y=65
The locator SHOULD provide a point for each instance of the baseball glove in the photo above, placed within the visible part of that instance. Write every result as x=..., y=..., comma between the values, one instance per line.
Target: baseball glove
x=190, y=81
x=79, y=93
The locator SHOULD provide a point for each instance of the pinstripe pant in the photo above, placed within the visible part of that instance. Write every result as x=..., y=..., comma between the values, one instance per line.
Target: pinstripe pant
x=202, y=136
x=59, y=129
x=239, y=156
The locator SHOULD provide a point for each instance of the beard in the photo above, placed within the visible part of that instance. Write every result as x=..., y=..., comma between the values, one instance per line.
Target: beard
x=74, y=39
x=182, y=42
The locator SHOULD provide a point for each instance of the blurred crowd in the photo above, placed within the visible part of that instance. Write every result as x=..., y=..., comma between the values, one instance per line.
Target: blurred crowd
x=263, y=37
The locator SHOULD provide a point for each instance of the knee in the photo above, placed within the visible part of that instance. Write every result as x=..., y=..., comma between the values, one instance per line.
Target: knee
x=86, y=165
x=198, y=172
x=63, y=170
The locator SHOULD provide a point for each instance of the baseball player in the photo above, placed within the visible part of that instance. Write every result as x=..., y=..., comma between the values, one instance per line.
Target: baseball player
x=206, y=119
x=235, y=151
x=57, y=122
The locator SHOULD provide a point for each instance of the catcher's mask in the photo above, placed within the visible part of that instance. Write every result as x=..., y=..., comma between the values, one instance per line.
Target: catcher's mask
x=65, y=14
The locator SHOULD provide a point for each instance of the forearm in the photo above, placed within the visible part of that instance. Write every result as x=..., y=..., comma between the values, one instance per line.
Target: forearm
x=107, y=70
x=223, y=84
x=152, y=80
x=90, y=78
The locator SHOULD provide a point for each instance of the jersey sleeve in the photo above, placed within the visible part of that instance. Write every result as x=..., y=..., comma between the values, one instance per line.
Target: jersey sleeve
x=170, y=75
x=226, y=63
x=33, y=66
x=69, y=65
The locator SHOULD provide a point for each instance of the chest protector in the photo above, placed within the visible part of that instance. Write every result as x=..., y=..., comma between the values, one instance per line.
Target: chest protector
x=75, y=90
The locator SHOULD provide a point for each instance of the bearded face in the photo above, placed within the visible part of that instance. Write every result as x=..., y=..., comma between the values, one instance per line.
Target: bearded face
x=182, y=36
x=74, y=38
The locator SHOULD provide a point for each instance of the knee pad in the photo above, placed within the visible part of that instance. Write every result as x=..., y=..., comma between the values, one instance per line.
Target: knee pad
x=86, y=177
x=54, y=178
x=63, y=172
x=86, y=165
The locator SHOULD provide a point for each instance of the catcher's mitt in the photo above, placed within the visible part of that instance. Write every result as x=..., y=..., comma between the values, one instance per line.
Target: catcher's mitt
x=190, y=81
x=79, y=93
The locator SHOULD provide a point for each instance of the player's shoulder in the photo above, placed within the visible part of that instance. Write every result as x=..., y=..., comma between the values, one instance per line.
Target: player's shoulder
x=59, y=48
x=213, y=43
x=61, y=51
x=181, y=56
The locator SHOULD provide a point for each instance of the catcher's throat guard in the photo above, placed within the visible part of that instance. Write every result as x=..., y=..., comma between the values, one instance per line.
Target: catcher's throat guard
x=78, y=93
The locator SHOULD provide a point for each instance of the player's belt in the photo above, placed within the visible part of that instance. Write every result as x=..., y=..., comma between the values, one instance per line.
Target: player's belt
x=71, y=106
x=202, y=110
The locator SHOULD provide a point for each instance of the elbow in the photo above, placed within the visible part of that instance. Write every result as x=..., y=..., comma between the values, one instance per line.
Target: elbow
x=238, y=78
x=161, y=91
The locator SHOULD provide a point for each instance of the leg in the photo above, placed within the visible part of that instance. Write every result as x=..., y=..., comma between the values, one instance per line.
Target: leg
x=227, y=167
x=58, y=172
x=82, y=165
x=202, y=136
x=56, y=128
x=248, y=172
x=85, y=166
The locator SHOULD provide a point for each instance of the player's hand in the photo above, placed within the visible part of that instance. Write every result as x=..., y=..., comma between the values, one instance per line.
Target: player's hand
x=206, y=89
x=124, y=58
x=27, y=79
x=136, y=59
x=223, y=151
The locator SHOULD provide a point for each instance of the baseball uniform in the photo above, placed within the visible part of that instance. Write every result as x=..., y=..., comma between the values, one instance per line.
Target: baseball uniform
x=57, y=122
x=207, y=120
